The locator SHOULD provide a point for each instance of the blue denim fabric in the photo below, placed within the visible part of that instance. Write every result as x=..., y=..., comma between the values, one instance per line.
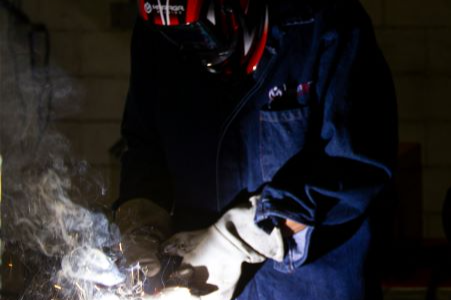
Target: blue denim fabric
x=314, y=131
x=298, y=244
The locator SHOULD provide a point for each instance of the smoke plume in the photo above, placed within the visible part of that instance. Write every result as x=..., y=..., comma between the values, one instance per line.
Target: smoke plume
x=49, y=214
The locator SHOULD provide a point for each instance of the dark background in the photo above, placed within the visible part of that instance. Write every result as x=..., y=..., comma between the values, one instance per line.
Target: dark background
x=90, y=44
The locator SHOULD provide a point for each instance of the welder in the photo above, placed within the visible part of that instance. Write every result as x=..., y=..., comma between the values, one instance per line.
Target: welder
x=263, y=134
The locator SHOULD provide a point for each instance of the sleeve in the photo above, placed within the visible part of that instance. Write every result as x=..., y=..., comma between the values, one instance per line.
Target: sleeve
x=342, y=174
x=143, y=166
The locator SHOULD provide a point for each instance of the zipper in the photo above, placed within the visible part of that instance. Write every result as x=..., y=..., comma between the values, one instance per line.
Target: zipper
x=232, y=117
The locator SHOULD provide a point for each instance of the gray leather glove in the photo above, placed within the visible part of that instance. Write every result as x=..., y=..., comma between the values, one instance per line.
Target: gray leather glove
x=143, y=225
x=212, y=258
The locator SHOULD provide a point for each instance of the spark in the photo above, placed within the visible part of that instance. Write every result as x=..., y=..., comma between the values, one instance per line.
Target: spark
x=120, y=248
x=57, y=287
x=83, y=292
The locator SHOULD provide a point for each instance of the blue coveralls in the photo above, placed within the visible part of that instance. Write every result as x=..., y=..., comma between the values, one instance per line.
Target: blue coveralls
x=313, y=130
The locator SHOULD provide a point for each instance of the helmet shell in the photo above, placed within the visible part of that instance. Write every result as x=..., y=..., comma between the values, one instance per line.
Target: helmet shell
x=228, y=36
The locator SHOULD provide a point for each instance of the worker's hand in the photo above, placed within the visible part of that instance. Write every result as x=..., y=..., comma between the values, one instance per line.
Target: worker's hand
x=212, y=258
x=290, y=227
x=143, y=226
x=140, y=249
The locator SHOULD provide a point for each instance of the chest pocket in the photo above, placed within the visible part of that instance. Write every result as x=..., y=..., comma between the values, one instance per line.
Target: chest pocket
x=282, y=135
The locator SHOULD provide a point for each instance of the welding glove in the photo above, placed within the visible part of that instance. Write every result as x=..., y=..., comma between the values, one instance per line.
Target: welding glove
x=212, y=258
x=143, y=225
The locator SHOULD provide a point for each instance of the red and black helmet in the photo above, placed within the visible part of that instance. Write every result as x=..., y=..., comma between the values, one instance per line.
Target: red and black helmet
x=224, y=34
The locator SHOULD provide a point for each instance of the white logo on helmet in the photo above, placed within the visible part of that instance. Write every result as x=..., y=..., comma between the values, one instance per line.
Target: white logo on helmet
x=148, y=7
x=173, y=9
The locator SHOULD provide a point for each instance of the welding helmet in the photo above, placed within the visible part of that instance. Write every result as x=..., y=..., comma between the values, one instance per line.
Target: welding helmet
x=225, y=35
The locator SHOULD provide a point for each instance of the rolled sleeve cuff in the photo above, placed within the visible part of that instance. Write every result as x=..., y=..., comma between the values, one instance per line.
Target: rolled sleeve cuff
x=298, y=248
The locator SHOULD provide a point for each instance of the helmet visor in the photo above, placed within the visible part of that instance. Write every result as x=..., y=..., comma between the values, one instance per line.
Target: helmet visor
x=195, y=36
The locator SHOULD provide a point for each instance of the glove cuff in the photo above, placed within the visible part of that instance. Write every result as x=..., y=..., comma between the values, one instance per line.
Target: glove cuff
x=239, y=228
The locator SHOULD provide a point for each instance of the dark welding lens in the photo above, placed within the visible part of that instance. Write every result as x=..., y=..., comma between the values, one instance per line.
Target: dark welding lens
x=196, y=36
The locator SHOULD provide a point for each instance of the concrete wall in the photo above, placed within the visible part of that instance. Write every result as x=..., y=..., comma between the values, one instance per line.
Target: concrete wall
x=90, y=43
x=90, y=40
x=415, y=36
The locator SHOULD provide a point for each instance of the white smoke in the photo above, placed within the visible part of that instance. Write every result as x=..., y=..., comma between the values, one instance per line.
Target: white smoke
x=68, y=244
